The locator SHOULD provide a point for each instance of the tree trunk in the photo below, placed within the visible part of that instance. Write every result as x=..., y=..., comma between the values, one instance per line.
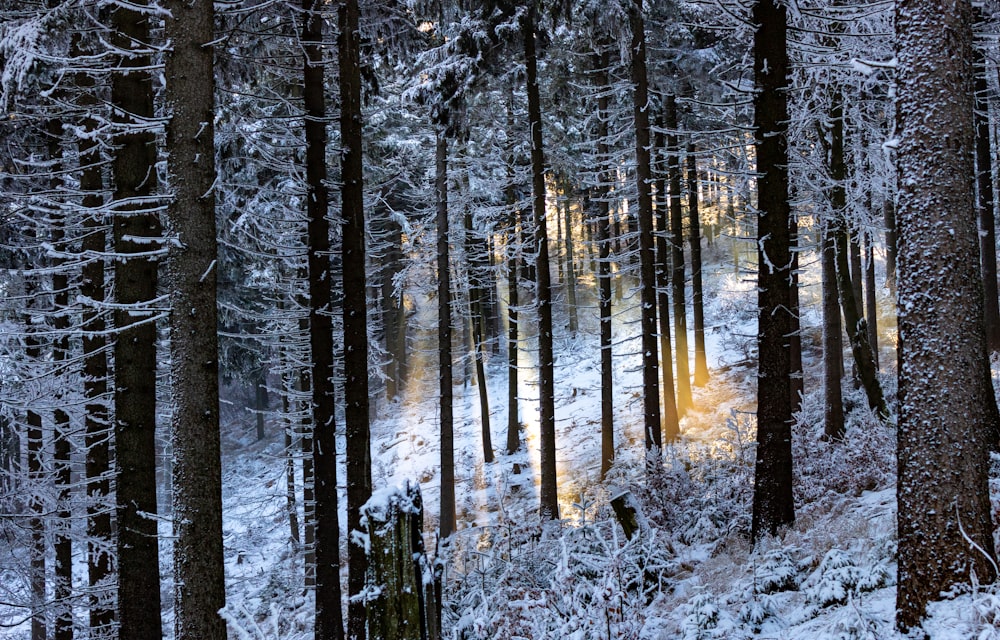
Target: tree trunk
x=773, y=506
x=260, y=401
x=984, y=182
x=291, y=505
x=135, y=345
x=329, y=614
x=549, y=497
x=36, y=479
x=308, y=480
x=447, y=519
x=797, y=376
x=199, y=575
x=513, y=260
x=833, y=341
x=871, y=310
x=683, y=372
x=356, y=409
x=671, y=421
x=574, y=322
x=889, y=217
x=95, y=387
x=602, y=62
x=857, y=331
x=694, y=237
x=947, y=413
x=477, y=320
x=647, y=256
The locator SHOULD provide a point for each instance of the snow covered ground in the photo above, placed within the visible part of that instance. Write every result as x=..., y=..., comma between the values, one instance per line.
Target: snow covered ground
x=691, y=574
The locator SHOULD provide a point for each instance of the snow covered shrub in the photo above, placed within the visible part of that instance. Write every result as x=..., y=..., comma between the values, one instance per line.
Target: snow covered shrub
x=863, y=461
x=583, y=583
x=704, y=619
x=839, y=577
x=757, y=610
x=775, y=572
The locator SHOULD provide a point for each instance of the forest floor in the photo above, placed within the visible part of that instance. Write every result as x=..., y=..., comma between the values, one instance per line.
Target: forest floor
x=831, y=575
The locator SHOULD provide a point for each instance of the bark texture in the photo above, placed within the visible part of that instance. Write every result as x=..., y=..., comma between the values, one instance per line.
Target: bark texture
x=199, y=573
x=947, y=409
x=773, y=506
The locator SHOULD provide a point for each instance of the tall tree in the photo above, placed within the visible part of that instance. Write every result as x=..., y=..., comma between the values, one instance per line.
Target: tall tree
x=674, y=177
x=137, y=230
x=647, y=256
x=671, y=420
x=947, y=411
x=329, y=613
x=549, y=497
x=447, y=518
x=694, y=237
x=773, y=505
x=359, y=465
x=984, y=202
x=199, y=575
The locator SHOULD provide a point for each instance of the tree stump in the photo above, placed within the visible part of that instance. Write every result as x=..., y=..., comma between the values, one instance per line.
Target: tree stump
x=627, y=513
x=400, y=583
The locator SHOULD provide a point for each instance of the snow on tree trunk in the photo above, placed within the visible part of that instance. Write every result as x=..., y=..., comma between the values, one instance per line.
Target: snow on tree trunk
x=400, y=585
x=947, y=412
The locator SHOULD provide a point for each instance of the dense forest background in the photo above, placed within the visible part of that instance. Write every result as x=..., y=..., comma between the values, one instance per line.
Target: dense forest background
x=498, y=319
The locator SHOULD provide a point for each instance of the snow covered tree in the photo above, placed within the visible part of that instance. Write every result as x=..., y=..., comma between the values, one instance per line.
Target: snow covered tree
x=947, y=411
x=773, y=506
x=199, y=576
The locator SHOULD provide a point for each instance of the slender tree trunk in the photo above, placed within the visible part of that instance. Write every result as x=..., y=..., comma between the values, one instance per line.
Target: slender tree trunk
x=671, y=421
x=602, y=62
x=329, y=614
x=136, y=217
x=889, y=217
x=574, y=322
x=291, y=503
x=260, y=401
x=447, y=519
x=513, y=262
x=857, y=331
x=647, y=256
x=683, y=372
x=549, y=498
x=199, y=574
x=61, y=458
x=356, y=410
x=97, y=432
x=797, y=377
x=773, y=506
x=871, y=310
x=984, y=182
x=308, y=479
x=694, y=237
x=477, y=320
x=833, y=341
x=947, y=410
x=36, y=523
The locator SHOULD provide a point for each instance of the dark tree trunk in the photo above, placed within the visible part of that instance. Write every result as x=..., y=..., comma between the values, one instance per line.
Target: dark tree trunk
x=833, y=341
x=574, y=322
x=602, y=62
x=61, y=458
x=773, y=506
x=513, y=264
x=671, y=421
x=95, y=387
x=694, y=237
x=36, y=479
x=647, y=256
x=447, y=519
x=549, y=496
x=797, y=377
x=199, y=573
x=291, y=505
x=857, y=332
x=871, y=310
x=329, y=613
x=889, y=217
x=260, y=401
x=308, y=478
x=984, y=182
x=683, y=372
x=393, y=312
x=135, y=345
x=356, y=409
x=947, y=411
x=477, y=320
